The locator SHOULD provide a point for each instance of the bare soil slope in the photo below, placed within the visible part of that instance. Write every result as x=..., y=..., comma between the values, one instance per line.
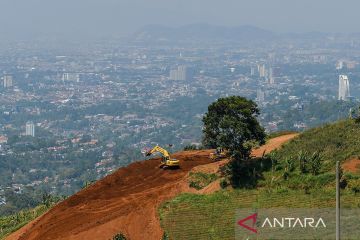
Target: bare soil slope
x=125, y=201
x=352, y=165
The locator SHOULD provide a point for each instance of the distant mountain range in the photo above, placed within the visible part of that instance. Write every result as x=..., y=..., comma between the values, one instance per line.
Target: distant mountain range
x=211, y=33
x=155, y=33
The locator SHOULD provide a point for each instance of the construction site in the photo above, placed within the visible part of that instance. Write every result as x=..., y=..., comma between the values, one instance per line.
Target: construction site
x=128, y=200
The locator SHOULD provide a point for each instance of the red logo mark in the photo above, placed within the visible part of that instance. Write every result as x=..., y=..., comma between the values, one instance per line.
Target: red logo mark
x=242, y=222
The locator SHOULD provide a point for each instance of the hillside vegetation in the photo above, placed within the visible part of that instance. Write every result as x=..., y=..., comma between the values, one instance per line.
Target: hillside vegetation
x=214, y=214
x=300, y=174
x=11, y=223
x=335, y=142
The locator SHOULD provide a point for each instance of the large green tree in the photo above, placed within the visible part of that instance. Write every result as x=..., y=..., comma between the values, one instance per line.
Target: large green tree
x=231, y=123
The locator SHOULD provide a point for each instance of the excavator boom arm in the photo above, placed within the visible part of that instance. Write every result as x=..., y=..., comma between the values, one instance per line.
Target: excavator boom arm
x=160, y=150
x=167, y=161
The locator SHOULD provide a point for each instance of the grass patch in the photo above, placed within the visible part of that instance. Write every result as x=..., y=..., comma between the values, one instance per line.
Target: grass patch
x=199, y=180
x=214, y=214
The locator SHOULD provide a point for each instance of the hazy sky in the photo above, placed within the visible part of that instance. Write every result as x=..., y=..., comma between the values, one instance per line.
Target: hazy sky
x=29, y=18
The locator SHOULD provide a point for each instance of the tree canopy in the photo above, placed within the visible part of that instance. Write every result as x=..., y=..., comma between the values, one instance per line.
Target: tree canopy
x=231, y=123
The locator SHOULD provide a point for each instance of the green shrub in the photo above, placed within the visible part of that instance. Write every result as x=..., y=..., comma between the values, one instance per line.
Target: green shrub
x=119, y=236
x=288, y=168
x=165, y=236
x=290, y=164
x=224, y=183
x=195, y=185
x=303, y=161
x=191, y=147
x=199, y=180
x=350, y=176
x=315, y=163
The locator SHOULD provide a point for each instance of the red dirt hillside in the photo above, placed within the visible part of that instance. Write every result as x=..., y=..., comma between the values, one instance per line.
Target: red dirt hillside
x=125, y=201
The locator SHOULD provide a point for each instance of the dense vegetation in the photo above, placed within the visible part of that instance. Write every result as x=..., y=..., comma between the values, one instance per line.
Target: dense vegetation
x=231, y=123
x=301, y=174
x=312, y=113
x=335, y=142
x=11, y=223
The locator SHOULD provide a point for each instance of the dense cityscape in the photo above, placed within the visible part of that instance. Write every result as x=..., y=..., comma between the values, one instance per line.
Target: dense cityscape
x=72, y=114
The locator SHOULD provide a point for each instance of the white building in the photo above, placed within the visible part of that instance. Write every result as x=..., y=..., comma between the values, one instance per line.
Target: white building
x=344, y=88
x=8, y=81
x=262, y=70
x=179, y=74
x=30, y=129
x=252, y=71
x=271, y=77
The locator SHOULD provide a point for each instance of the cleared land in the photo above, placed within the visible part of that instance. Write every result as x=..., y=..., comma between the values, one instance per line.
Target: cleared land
x=125, y=201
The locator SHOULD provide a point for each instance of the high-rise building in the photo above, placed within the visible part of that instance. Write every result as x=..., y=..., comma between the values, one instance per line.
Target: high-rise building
x=252, y=71
x=262, y=70
x=8, y=81
x=344, y=88
x=30, y=129
x=182, y=73
x=173, y=74
x=179, y=74
x=271, y=79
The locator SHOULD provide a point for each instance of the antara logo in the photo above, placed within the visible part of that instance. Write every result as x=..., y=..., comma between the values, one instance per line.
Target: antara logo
x=290, y=222
x=285, y=222
x=251, y=217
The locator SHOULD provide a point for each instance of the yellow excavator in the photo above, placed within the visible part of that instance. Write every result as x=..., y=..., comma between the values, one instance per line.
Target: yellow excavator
x=167, y=161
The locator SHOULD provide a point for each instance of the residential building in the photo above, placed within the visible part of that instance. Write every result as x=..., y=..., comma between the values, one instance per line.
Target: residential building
x=8, y=81
x=30, y=129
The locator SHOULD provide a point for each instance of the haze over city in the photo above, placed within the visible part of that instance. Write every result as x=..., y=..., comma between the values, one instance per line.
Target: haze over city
x=28, y=19
x=161, y=119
